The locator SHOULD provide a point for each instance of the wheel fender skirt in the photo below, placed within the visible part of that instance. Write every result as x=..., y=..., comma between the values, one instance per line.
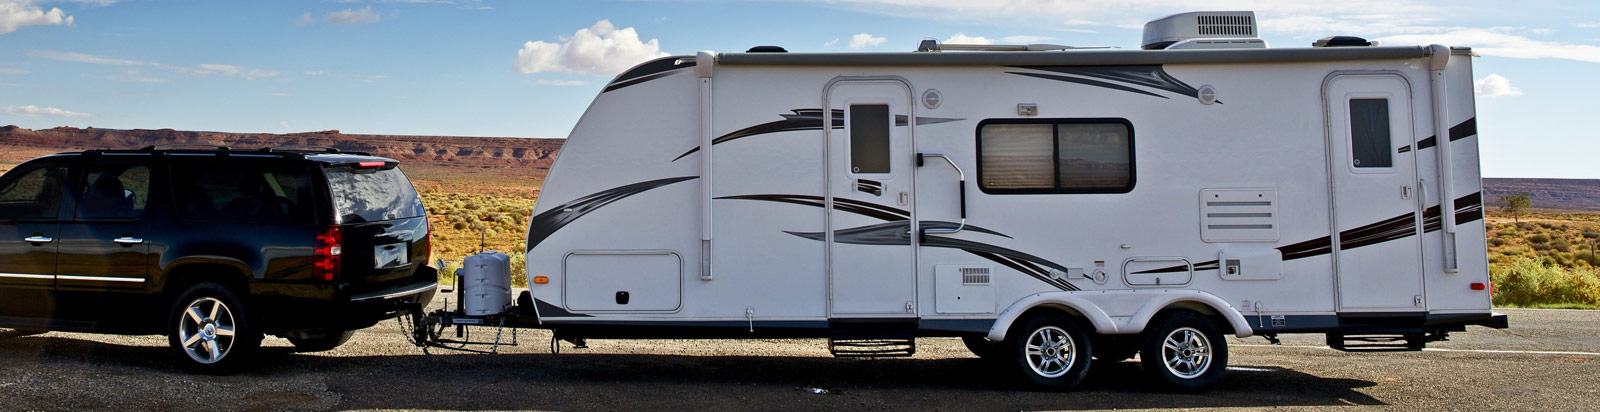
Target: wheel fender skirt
x=1140, y=306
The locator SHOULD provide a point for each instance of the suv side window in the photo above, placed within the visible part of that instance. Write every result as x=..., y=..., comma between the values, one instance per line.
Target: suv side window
x=114, y=191
x=33, y=192
x=251, y=193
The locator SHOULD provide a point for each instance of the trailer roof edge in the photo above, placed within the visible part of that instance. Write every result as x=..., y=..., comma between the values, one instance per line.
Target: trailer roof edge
x=1074, y=58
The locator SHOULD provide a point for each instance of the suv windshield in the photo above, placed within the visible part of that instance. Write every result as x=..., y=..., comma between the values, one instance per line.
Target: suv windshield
x=368, y=195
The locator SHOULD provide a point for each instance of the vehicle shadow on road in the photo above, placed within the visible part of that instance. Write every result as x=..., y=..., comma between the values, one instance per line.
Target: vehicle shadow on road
x=584, y=381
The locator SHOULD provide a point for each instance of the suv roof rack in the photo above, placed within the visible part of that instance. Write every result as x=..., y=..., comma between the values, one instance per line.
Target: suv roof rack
x=303, y=148
x=193, y=148
x=166, y=146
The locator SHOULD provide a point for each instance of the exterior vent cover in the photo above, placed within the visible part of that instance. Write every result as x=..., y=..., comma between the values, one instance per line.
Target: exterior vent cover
x=1224, y=25
x=1239, y=215
x=1164, y=32
x=974, y=276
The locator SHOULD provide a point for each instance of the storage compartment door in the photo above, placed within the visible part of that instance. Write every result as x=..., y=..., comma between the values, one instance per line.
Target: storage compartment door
x=630, y=281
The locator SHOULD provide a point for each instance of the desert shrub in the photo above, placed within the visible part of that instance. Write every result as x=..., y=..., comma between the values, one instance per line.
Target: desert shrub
x=1547, y=225
x=1591, y=233
x=1538, y=238
x=1529, y=282
x=1497, y=242
x=1509, y=233
x=1525, y=226
x=1560, y=245
x=1540, y=247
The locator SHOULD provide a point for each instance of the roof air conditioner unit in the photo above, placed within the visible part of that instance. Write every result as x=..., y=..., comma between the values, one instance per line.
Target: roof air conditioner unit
x=1203, y=30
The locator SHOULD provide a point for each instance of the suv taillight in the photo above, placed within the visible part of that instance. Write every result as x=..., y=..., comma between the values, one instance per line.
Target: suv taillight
x=325, y=257
x=427, y=240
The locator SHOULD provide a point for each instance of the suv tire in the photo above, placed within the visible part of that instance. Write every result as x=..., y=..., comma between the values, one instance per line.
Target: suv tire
x=319, y=341
x=209, y=330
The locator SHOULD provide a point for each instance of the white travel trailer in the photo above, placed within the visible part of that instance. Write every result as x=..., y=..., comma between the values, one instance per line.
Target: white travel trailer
x=1049, y=205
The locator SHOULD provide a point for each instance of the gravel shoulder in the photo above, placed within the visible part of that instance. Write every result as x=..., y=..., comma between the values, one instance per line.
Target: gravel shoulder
x=1547, y=360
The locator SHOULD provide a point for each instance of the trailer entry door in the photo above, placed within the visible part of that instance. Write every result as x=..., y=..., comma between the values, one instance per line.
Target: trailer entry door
x=871, y=259
x=1376, y=198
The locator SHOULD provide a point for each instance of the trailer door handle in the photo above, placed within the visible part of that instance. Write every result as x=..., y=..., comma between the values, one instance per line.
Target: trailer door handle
x=961, y=186
x=128, y=240
x=38, y=239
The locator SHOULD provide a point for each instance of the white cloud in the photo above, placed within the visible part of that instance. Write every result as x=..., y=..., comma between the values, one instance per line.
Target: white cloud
x=830, y=43
x=277, y=94
x=1542, y=31
x=283, y=123
x=82, y=58
x=132, y=75
x=13, y=71
x=15, y=14
x=305, y=19
x=1495, y=85
x=961, y=38
x=545, y=82
x=36, y=111
x=235, y=71
x=1498, y=42
x=352, y=16
x=1588, y=25
x=602, y=50
x=1080, y=22
x=863, y=40
x=316, y=73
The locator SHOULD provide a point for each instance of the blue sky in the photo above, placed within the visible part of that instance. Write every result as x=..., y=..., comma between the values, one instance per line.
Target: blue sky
x=529, y=68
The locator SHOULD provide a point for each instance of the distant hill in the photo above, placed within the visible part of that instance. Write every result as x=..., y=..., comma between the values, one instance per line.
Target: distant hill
x=1558, y=194
x=513, y=156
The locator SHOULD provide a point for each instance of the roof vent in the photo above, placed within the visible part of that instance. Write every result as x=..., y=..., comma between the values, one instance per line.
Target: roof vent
x=1222, y=29
x=766, y=49
x=1343, y=41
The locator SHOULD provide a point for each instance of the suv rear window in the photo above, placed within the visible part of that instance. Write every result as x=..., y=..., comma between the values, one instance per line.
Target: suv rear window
x=248, y=193
x=369, y=195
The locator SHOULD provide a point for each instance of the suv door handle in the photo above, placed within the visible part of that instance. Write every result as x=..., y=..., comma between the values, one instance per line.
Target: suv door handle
x=38, y=239
x=128, y=240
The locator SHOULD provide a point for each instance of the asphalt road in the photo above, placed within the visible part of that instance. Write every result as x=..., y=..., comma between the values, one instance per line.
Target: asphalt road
x=1547, y=361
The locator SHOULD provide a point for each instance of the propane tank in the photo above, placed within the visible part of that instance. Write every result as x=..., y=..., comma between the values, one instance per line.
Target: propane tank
x=485, y=283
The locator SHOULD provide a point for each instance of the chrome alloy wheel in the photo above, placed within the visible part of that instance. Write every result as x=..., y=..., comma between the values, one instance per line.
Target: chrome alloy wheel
x=1051, y=352
x=1186, y=352
x=206, y=330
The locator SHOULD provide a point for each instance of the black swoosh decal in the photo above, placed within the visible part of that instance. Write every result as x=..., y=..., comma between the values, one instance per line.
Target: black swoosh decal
x=1460, y=131
x=547, y=223
x=897, y=233
x=804, y=119
x=648, y=71
x=1467, y=208
x=1152, y=76
x=1088, y=82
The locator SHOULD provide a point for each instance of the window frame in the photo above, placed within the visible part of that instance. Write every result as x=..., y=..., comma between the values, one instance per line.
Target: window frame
x=849, y=143
x=1055, y=142
x=1350, y=133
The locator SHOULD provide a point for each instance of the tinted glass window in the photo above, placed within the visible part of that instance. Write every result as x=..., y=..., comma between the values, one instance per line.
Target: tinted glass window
x=869, y=138
x=114, y=191
x=1094, y=156
x=1369, y=133
x=1055, y=156
x=235, y=193
x=1018, y=156
x=32, y=193
x=372, y=194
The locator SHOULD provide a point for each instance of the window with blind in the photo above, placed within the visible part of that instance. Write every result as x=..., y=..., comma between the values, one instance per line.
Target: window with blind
x=1055, y=156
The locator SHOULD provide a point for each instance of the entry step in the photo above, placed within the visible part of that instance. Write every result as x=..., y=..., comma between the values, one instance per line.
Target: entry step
x=872, y=348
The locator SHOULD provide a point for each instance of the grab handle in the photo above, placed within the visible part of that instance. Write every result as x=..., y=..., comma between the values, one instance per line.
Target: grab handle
x=961, y=186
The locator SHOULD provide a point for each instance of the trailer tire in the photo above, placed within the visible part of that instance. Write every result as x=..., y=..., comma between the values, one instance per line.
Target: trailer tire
x=982, y=347
x=1049, y=351
x=320, y=341
x=209, y=330
x=1184, y=351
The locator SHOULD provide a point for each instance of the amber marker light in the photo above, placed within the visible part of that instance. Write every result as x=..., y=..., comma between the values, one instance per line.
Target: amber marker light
x=540, y=280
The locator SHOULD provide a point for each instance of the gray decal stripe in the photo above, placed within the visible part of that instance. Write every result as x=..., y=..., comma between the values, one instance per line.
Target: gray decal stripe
x=1152, y=76
x=547, y=223
x=1088, y=82
x=804, y=119
x=1465, y=129
x=897, y=234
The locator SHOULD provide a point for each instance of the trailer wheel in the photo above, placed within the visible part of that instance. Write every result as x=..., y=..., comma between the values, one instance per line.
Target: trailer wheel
x=1184, y=351
x=1050, y=351
x=320, y=341
x=982, y=347
x=209, y=330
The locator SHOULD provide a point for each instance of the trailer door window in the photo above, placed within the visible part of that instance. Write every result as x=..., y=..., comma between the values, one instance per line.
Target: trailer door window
x=869, y=138
x=1055, y=156
x=1369, y=133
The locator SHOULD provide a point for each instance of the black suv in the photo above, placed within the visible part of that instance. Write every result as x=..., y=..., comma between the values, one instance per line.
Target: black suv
x=213, y=248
